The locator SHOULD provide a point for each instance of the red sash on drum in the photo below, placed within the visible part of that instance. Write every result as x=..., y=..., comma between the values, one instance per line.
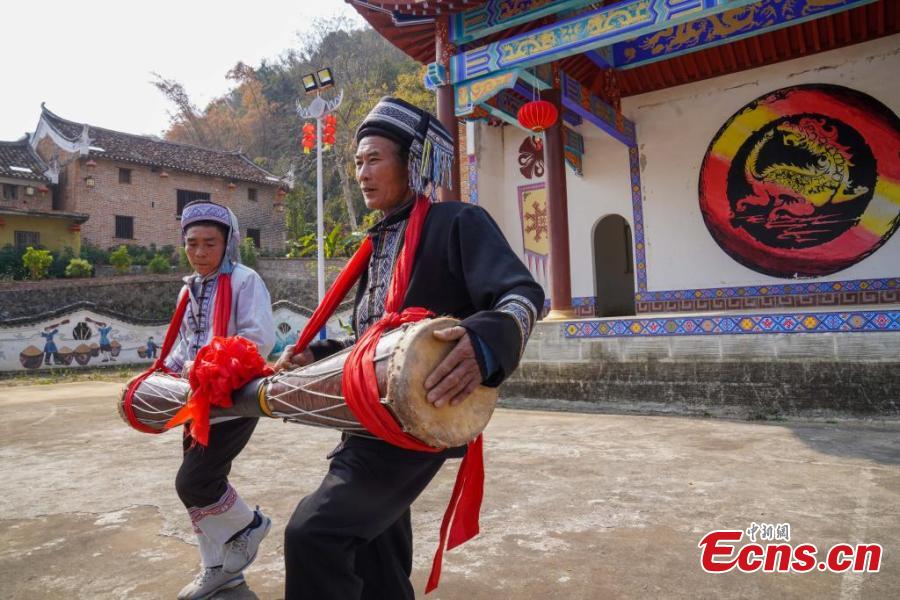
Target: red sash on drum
x=360, y=386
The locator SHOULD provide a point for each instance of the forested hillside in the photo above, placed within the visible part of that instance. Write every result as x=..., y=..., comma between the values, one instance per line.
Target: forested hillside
x=258, y=116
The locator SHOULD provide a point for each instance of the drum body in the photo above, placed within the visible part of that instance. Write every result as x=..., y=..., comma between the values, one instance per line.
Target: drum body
x=312, y=395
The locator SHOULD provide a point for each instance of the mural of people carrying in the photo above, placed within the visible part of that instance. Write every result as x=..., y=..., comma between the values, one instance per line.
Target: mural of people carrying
x=109, y=349
x=804, y=181
x=85, y=338
x=50, y=349
x=76, y=340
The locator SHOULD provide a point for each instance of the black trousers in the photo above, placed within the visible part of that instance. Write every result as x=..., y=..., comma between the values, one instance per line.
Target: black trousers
x=352, y=538
x=203, y=476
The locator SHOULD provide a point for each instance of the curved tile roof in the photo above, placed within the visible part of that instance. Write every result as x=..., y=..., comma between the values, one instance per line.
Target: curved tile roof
x=145, y=150
x=19, y=161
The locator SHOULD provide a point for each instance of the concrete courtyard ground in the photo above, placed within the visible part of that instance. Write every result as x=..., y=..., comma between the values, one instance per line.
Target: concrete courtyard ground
x=576, y=505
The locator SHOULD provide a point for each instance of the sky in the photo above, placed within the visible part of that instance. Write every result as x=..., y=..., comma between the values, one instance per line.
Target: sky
x=92, y=61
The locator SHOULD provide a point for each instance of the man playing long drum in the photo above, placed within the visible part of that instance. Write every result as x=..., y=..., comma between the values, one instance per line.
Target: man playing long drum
x=352, y=537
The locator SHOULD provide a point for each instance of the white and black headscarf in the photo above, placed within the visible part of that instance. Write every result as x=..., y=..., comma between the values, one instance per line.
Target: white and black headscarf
x=418, y=132
x=204, y=210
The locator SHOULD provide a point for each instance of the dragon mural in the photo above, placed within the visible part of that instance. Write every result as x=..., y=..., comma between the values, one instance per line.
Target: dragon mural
x=803, y=182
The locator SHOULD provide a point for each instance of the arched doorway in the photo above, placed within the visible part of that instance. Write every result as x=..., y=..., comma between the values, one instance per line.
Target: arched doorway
x=613, y=267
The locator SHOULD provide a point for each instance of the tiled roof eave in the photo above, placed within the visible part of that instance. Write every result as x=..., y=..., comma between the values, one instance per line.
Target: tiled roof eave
x=34, y=178
x=70, y=216
x=172, y=167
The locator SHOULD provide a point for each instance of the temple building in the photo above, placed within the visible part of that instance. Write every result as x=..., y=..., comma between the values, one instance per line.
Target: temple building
x=682, y=173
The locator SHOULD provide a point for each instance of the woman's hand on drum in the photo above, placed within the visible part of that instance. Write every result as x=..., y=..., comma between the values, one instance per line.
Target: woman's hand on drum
x=288, y=360
x=458, y=374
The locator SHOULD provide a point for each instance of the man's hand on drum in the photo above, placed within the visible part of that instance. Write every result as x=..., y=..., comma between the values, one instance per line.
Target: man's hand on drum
x=458, y=374
x=288, y=360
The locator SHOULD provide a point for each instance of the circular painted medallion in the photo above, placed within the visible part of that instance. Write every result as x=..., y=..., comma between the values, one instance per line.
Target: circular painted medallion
x=803, y=182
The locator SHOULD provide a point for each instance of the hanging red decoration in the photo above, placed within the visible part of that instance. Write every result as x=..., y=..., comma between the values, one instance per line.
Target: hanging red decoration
x=329, y=130
x=537, y=115
x=280, y=193
x=231, y=185
x=309, y=137
x=90, y=164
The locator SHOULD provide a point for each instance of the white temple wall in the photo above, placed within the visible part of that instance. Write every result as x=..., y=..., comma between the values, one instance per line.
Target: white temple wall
x=674, y=129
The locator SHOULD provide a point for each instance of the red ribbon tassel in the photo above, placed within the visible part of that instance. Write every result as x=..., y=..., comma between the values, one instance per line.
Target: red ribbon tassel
x=222, y=366
x=360, y=386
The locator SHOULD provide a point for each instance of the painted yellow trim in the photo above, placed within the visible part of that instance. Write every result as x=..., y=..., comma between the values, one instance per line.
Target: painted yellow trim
x=263, y=401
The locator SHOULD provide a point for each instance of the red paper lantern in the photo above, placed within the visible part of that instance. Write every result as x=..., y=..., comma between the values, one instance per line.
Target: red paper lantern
x=231, y=185
x=329, y=130
x=537, y=115
x=280, y=193
x=309, y=137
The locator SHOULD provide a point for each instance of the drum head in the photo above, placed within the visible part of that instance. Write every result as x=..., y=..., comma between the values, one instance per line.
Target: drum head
x=415, y=357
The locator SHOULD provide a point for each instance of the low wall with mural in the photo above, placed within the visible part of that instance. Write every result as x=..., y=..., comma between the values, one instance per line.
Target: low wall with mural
x=71, y=323
x=746, y=366
x=87, y=336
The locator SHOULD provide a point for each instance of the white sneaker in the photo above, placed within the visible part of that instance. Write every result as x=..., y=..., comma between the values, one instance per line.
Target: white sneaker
x=209, y=581
x=241, y=551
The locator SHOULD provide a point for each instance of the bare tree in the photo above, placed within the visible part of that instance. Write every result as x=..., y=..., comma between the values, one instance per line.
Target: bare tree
x=187, y=115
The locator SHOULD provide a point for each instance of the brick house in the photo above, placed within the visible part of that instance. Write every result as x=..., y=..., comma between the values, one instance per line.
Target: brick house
x=30, y=210
x=134, y=187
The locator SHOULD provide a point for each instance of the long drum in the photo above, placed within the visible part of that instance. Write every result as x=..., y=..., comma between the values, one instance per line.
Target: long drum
x=312, y=395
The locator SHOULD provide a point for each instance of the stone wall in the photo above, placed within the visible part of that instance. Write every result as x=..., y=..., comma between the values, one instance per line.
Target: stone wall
x=753, y=376
x=151, y=298
x=295, y=279
x=141, y=298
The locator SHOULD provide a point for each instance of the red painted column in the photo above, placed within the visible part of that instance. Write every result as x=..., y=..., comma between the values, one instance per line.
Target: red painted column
x=558, y=213
x=446, y=106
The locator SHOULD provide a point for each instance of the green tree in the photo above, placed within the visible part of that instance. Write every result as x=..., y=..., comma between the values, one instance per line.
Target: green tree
x=159, y=264
x=78, y=267
x=37, y=262
x=11, y=266
x=183, y=261
x=93, y=254
x=61, y=259
x=248, y=253
x=120, y=259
